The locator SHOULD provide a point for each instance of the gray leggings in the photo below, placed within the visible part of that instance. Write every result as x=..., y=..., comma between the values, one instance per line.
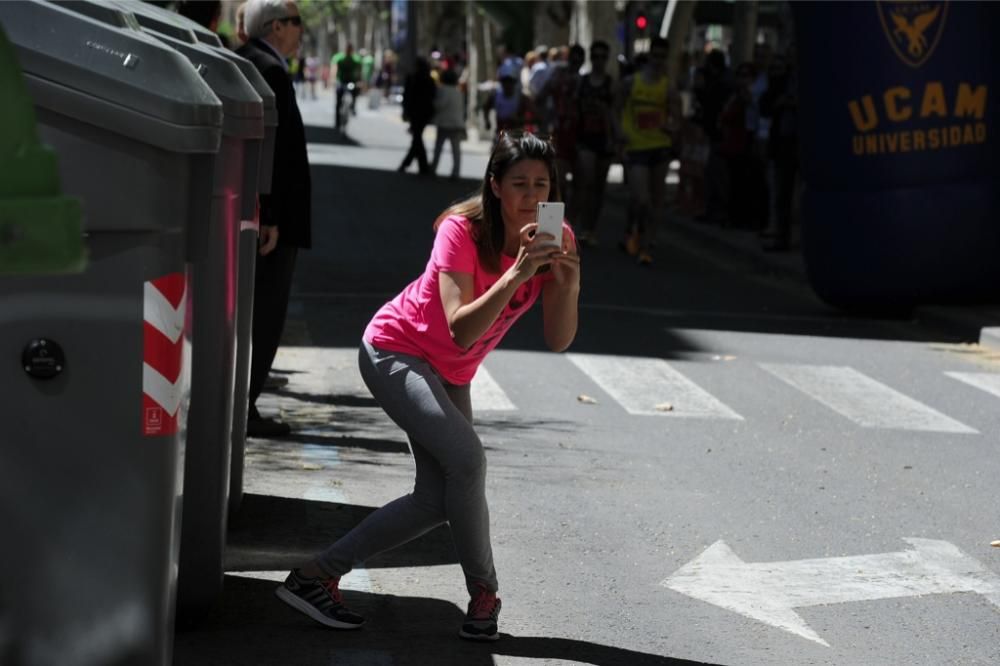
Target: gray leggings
x=451, y=469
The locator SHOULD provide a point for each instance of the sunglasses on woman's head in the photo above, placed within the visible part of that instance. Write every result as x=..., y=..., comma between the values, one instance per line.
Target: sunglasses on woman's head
x=520, y=133
x=294, y=20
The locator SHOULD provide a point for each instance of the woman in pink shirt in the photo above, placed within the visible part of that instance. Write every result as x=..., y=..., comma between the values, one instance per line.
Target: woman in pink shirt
x=418, y=357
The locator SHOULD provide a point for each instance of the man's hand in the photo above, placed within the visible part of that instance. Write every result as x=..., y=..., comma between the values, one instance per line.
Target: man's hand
x=268, y=239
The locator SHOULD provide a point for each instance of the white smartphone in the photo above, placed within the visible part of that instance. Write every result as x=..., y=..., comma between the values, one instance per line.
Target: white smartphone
x=550, y=215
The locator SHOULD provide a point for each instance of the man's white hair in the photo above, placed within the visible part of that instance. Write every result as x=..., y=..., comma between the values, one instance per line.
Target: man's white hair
x=259, y=16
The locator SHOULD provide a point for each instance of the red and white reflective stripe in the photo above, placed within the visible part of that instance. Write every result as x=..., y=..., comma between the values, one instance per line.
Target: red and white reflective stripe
x=163, y=312
x=253, y=224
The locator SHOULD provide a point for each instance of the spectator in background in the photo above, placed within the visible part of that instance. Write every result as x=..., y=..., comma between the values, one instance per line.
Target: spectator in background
x=311, y=69
x=512, y=106
x=418, y=110
x=449, y=118
x=594, y=141
x=712, y=90
x=545, y=108
x=206, y=13
x=738, y=144
x=780, y=104
x=387, y=73
x=367, y=67
x=560, y=94
x=241, y=32
x=524, y=72
x=275, y=30
x=539, y=70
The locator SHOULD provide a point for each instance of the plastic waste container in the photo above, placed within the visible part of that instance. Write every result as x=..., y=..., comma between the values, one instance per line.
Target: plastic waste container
x=250, y=228
x=214, y=255
x=92, y=458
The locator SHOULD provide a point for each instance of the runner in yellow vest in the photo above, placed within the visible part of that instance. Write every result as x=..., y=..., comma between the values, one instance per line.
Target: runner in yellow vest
x=648, y=113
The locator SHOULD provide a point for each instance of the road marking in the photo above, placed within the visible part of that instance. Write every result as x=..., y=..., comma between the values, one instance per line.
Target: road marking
x=334, y=370
x=640, y=384
x=487, y=394
x=985, y=381
x=702, y=315
x=769, y=591
x=863, y=400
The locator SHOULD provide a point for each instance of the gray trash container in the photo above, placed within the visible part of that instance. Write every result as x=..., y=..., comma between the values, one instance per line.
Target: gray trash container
x=91, y=463
x=248, y=260
x=214, y=254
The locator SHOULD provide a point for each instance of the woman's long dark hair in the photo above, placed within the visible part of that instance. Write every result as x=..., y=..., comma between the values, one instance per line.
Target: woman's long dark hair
x=483, y=208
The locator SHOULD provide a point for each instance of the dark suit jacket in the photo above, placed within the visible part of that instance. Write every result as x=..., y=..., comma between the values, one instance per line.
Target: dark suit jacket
x=289, y=205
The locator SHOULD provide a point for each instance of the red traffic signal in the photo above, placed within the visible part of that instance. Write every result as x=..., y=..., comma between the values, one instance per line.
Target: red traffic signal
x=641, y=22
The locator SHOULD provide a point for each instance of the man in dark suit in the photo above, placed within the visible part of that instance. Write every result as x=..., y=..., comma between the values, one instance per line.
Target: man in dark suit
x=274, y=28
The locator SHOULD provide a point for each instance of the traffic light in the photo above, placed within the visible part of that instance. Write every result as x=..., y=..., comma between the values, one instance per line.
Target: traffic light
x=641, y=22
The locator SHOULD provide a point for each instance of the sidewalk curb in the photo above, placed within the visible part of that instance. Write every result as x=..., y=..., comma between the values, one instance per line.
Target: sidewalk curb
x=978, y=323
x=990, y=337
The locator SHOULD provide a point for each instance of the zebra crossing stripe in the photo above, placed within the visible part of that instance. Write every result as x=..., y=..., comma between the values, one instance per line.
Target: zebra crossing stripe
x=340, y=375
x=984, y=381
x=863, y=400
x=487, y=394
x=639, y=385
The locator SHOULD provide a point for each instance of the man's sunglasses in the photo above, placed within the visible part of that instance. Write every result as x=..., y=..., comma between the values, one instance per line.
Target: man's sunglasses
x=294, y=20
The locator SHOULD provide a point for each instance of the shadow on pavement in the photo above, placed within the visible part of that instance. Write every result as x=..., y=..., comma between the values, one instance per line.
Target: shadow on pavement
x=344, y=400
x=348, y=442
x=275, y=533
x=316, y=134
x=251, y=626
x=373, y=233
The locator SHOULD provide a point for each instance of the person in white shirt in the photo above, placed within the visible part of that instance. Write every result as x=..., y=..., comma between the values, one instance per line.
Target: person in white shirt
x=449, y=118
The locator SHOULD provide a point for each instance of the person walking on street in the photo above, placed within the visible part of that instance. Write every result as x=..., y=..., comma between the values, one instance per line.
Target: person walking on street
x=738, y=127
x=274, y=28
x=779, y=104
x=418, y=110
x=648, y=112
x=594, y=141
x=346, y=67
x=513, y=108
x=418, y=356
x=561, y=93
x=449, y=118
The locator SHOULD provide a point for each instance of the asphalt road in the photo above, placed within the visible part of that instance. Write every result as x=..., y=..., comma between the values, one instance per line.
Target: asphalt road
x=722, y=470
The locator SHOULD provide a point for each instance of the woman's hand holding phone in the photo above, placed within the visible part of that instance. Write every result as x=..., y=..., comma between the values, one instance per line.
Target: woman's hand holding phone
x=535, y=252
x=566, y=265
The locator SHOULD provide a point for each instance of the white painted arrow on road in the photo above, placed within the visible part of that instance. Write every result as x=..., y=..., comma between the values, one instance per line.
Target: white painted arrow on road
x=769, y=591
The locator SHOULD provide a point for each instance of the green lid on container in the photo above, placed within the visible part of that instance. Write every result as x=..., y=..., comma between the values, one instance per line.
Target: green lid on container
x=40, y=229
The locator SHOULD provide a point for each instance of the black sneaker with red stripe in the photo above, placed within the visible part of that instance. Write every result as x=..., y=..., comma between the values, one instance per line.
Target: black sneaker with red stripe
x=481, y=619
x=320, y=599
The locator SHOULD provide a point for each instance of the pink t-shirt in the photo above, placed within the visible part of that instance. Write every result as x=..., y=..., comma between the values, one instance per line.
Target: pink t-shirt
x=414, y=322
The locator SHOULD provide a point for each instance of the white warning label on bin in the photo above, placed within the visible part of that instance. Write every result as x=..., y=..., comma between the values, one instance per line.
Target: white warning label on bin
x=164, y=318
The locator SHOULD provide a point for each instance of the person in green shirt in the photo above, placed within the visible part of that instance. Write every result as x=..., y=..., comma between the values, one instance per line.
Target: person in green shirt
x=346, y=66
x=367, y=68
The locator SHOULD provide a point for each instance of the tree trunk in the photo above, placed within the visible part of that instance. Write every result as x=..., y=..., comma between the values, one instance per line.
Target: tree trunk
x=744, y=32
x=677, y=34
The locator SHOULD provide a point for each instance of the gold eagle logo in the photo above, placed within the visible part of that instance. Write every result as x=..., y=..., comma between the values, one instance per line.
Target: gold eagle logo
x=913, y=28
x=914, y=32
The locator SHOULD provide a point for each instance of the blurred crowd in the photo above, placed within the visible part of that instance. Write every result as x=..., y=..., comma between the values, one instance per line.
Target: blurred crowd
x=728, y=131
